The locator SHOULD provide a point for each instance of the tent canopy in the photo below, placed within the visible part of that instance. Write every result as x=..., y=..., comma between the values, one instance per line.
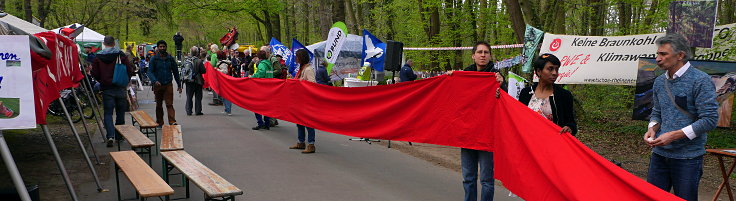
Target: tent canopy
x=87, y=35
x=349, y=60
x=16, y=24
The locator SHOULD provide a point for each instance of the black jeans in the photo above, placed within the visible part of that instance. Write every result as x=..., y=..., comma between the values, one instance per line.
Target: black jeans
x=193, y=90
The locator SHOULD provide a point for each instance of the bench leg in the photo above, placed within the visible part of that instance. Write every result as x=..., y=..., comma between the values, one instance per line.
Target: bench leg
x=117, y=180
x=186, y=183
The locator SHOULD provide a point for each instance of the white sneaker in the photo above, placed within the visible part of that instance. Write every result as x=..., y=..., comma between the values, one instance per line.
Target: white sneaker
x=229, y=114
x=110, y=141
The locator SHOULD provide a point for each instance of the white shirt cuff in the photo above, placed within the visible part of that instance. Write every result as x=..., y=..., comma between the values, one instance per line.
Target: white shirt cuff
x=653, y=123
x=688, y=130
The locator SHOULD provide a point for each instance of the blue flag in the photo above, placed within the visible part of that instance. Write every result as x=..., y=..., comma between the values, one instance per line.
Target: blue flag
x=279, y=49
x=373, y=51
x=291, y=61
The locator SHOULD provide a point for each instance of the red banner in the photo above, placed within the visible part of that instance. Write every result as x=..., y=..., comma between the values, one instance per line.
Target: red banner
x=531, y=158
x=51, y=75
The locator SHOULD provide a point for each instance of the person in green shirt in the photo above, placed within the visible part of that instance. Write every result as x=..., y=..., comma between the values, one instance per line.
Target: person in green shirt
x=265, y=70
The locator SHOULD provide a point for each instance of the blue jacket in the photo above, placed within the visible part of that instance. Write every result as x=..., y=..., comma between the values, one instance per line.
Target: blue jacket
x=163, y=69
x=406, y=74
x=322, y=76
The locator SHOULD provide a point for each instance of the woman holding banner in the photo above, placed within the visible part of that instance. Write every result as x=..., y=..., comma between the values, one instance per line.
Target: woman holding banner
x=305, y=73
x=549, y=100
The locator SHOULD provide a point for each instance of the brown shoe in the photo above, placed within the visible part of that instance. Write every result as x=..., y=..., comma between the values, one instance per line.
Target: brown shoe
x=310, y=149
x=298, y=146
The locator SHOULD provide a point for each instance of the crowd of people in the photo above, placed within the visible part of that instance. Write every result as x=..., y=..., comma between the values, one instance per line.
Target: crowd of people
x=684, y=102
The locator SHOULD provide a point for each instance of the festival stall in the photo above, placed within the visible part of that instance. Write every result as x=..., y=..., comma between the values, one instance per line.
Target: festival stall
x=87, y=37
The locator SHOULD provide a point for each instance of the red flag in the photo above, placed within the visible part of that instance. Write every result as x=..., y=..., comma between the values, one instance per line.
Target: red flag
x=531, y=158
x=60, y=72
x=45, y=91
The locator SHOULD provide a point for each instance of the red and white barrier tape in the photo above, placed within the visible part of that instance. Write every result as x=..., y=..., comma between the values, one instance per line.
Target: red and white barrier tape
x=464, y=48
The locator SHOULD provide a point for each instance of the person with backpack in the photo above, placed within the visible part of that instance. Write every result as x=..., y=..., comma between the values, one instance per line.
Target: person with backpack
x=264, y=70
x=223, y=65
x=193, y=80
x=114, y=97
x=160, y=71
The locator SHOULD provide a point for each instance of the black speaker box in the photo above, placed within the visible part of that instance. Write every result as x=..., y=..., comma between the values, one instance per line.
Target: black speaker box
x=394, y=50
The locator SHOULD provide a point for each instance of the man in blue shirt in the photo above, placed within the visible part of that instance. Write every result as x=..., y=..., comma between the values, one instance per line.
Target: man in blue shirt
x=162, y=71
x=406, y=74
x=685, y=108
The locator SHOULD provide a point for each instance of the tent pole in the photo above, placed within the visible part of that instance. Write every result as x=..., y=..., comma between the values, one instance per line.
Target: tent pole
x=95, y=106
x=14, y=173
x=59, y=163
x=81, y=146
x=84, y=123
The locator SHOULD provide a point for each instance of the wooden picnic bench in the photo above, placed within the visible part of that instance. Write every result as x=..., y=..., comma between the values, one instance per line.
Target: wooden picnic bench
x=213, y=185
x=136, y=139
x=146, y=182
x=146, y=123
x=171, y=140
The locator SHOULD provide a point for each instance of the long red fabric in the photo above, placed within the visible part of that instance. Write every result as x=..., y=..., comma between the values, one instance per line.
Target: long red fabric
x=531, y=158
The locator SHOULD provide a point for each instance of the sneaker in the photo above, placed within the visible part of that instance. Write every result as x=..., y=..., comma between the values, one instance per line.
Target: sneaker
x=229, y=114
x=109, y=142
x=174, y=123
x=199, y=114
x=258, y=128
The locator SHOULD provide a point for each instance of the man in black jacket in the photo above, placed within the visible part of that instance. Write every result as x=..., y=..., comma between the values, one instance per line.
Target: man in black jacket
x=178, y=39
x=114, y=97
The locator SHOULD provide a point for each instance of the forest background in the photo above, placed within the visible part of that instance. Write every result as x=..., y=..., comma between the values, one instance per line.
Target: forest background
x=604, y=112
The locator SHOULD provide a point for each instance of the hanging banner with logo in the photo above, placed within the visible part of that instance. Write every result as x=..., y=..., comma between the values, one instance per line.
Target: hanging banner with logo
x=17, y=108
x=723, y=75
x=610, y=60
x=64, y=66
x=694, y=20
x=373, y=51
x=516, y=83
x=531, y=42
x=335, y=40
x=724, y=45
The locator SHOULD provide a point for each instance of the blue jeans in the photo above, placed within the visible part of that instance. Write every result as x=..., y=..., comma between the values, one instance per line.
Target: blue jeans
x=114, y=100
x=682, y=175
x=300, y=134
x=262, y=120
x=228, y=105
x=470, y=160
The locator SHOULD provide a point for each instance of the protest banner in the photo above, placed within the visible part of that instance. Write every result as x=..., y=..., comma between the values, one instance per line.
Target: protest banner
x=373, y=51
x=723, y=75
x=724, y=41
x=694, y=20
x=17, y=109
x=516, y=84
x=610, y=60
x=531, y=43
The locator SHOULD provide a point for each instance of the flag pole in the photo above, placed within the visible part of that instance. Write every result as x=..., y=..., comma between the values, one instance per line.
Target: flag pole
x=13, y=169
x=81, y=146
x=84, y=123
x=59, y=163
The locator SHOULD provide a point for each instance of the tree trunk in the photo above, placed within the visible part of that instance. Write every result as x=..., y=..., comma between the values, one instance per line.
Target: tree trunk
x=483, y=18
x=43, y=11
x=560, y=25
x=325, y=17
x=529, y=14
x=307, y=24
x=338, y=11
x=353, y=26
x=650, y=15
x=359, y=12
x=728, y=12
x=517, y=20
x=28, y=10
x=624, y=17
x=276, y=24
x=470, y=9
x=287, y=23
x=2, y=5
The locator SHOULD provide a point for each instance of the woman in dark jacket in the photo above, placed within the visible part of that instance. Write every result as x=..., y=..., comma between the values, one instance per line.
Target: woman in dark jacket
x=549, y=100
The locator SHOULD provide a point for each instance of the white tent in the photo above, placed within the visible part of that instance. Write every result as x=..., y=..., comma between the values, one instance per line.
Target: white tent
x=21, y=25
x=87, y=35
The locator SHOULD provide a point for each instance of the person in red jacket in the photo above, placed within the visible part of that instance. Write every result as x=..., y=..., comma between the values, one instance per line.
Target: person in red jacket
x=114, y=97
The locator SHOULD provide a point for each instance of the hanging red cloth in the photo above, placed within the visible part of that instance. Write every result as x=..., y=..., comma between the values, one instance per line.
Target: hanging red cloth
x=531, y=158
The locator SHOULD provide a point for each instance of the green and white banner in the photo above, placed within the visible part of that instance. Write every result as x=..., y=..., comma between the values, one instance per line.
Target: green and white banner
x=724, y=45
x=531, y=42
x=335, y=40
x=516, y=83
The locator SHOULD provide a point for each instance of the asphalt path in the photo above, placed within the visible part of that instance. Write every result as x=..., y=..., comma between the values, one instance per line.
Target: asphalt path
x=260, y=163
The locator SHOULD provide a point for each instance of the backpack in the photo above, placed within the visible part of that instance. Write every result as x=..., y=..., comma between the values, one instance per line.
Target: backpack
x=187, y=72
x=279, y=69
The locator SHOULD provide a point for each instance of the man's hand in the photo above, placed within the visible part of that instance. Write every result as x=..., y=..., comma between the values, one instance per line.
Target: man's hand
x=179, y=89
x=649, y=136
x=157, y=84
x=668, y=138
x=499, y=78
x=566, y=129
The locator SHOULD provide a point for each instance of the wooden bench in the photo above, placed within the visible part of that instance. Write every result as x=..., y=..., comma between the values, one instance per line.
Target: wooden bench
x=213, y=186
x=171, y=140
x=136, y=139
x=146, y=123
x=146, y=182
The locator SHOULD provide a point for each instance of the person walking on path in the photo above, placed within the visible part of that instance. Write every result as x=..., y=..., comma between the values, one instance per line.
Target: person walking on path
x=264, y=70
x=305, y=73
x=162, y=72
x=178, y=39
x=685, y=109
x=114, y=98
x=194, y=88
